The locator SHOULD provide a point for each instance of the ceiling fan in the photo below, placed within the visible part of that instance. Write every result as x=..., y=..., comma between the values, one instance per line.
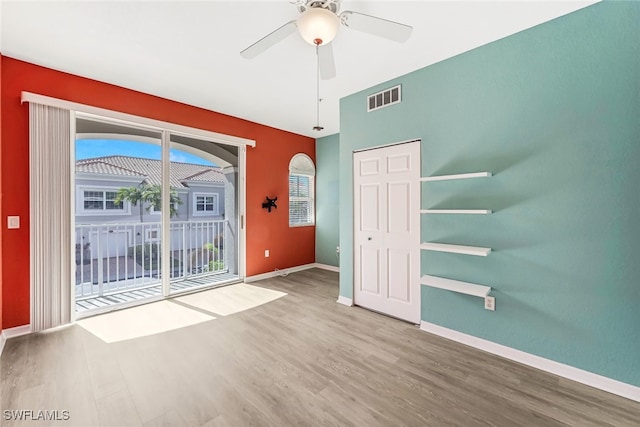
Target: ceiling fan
x=318, y=24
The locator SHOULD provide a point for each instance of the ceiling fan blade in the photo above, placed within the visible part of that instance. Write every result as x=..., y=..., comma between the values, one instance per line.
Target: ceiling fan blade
x=269, y=40
x=327, y=63
x=377, y=26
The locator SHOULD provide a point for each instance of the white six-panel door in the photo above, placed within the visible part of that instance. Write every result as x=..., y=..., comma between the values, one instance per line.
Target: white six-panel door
x=387, y=230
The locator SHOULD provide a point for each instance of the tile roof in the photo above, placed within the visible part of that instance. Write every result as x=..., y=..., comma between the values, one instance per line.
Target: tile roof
x=151, y=170
x=100, y=166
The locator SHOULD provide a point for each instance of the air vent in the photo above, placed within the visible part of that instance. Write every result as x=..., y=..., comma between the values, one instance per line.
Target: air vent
x=384, y=98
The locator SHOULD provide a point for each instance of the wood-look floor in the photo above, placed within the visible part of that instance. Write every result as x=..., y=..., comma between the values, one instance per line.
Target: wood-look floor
x=300, y=360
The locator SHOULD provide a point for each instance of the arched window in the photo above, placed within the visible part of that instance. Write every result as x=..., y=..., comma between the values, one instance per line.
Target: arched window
x=302, y=174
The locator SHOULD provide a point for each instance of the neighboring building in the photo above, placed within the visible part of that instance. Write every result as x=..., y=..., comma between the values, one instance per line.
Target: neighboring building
x=109, y=229
x=201, y=189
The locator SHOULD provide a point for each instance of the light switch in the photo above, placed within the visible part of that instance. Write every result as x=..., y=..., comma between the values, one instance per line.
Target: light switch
x=13, y=222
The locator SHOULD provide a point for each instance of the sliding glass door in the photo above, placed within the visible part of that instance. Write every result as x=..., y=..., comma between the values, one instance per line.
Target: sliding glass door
x=155, y=214
x=203, y=217
x=117, y=233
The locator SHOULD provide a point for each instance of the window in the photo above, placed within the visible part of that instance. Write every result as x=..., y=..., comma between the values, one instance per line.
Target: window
x=205, y=204
x=157, y=211
x=152, y=235
x=100, y=201
x=301, y=191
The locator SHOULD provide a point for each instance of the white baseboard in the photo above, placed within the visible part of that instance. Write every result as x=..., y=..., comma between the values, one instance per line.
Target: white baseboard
x=284, y=271
x=327, y=267
x=345, y=301
x=17, y=331
x=12, y=333
x=584, y=377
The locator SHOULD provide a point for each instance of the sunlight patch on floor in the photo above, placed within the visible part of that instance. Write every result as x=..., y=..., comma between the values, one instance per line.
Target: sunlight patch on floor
x=143, y=320
x=231, y=299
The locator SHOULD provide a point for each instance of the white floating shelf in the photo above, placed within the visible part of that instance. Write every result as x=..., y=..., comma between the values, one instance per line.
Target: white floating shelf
x=457, y=211
x=456, y=249
x=456, y=286
x=457, y=176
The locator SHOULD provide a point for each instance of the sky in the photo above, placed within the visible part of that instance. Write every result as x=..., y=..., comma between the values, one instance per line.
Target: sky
x=88, y=148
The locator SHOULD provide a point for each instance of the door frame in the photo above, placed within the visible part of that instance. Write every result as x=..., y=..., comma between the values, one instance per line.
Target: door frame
x=354, y=213
x=165, y=144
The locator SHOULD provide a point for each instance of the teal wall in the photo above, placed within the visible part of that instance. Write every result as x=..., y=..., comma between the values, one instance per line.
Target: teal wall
x=327, y=199
x=554, y=113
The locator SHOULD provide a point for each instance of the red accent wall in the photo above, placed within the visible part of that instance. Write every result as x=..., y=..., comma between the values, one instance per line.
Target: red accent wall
x=1, y=212
x=267, y=171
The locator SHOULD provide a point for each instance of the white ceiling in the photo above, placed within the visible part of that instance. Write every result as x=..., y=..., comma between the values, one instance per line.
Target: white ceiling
x=188, y=51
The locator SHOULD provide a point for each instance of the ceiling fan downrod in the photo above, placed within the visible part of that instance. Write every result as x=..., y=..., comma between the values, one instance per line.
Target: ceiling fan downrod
x=317, y=127
x=330, y=5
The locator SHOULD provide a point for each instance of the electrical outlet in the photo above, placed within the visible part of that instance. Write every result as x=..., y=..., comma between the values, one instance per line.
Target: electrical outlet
x=266, y=253
x=490, y=303
x=337, y=249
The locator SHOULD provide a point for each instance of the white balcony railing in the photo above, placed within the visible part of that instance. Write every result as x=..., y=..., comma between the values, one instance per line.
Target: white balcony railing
x=112, y=258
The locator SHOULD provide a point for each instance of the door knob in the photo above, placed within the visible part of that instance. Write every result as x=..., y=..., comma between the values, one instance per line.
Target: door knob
x=369, y=238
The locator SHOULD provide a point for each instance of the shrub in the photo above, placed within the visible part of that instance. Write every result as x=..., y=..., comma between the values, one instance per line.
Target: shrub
x=211, y=249
x=216, y=265
x=147, y=255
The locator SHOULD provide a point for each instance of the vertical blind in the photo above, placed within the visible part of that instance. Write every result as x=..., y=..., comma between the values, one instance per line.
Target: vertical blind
x=301, y=200
x=50, y=216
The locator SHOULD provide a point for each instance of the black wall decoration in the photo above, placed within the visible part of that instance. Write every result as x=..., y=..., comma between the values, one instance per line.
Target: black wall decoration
x=270, y=203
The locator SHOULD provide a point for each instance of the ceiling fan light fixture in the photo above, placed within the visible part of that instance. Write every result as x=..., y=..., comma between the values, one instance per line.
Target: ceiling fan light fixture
x=318, y=26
